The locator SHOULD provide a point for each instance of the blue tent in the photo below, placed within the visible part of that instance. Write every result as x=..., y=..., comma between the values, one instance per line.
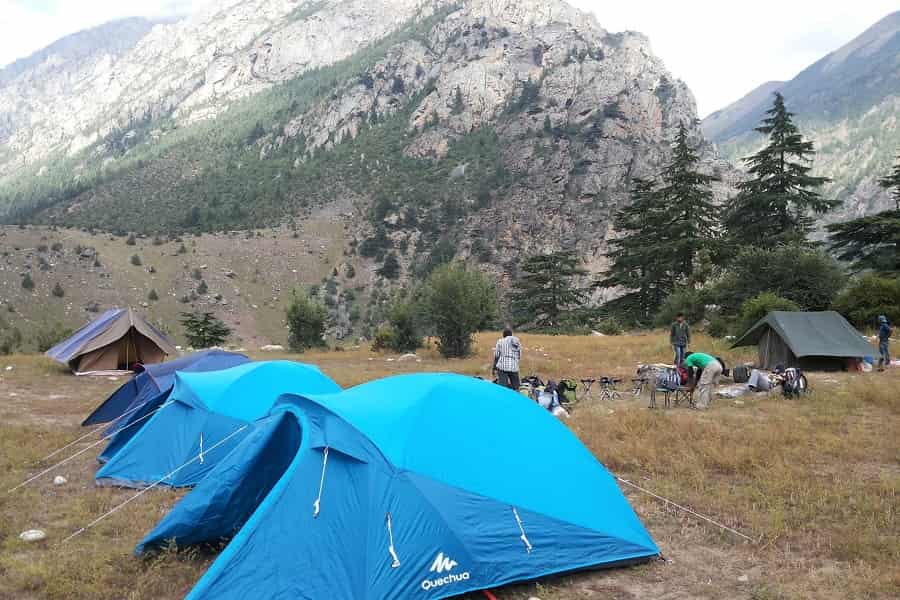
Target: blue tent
x=416, y=486
x=203, y=418
x=156, y=379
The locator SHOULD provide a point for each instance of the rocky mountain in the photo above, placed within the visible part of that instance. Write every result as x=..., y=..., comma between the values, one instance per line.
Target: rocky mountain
x=483, y=129
x=848, y=103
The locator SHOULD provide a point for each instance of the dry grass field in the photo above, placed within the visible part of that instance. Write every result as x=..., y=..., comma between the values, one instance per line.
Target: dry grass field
x=813, y=481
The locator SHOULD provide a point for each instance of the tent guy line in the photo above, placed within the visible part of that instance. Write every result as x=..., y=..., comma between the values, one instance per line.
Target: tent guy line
x=151, y=486
x=85, y=449
x=687, y=510
x=92, y=432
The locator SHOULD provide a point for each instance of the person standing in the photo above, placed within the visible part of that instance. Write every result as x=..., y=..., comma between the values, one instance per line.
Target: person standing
x=680, y=338
x=884, y=340
x=507, y=354
x=711, y=369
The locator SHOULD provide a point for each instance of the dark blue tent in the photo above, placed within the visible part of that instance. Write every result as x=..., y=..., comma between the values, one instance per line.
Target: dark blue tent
x=202, y=419
x=159, y=378
x=416, y=486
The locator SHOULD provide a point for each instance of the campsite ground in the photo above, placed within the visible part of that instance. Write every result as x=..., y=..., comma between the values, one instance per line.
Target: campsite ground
x=814, y=482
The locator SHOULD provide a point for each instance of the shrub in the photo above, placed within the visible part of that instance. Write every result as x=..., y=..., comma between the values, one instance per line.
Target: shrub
x=866, y=298
x=351, y=272
x=306, y=323
x=455, y=303
x=130, y=241
x=808, y=277
x=58, y=291
x=758, y=307
x=10, y=338
x=690, y=302
x=27, y=282
x=152, y=296
x=202, y=288
x=197, y=274
x=383, y=338
x=56, y=246
x=136, y=260
x=610, y=326
x=46, y=338
x=719, y=327
x=182, y=249
x=390, y=269
x=402, y=318
x=204, y=330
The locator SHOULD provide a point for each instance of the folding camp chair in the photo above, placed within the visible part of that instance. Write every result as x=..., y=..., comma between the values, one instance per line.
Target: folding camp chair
x=608, y=389
x=586, y=383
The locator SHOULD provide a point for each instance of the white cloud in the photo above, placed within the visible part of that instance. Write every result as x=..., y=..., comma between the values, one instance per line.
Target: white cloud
x=722, y=49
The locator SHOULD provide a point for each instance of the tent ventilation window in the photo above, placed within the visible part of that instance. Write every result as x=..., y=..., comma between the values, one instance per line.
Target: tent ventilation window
x=395, y=560
x=316, y=504
x=522, y=537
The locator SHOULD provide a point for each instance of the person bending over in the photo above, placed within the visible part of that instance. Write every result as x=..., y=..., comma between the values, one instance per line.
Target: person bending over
x=507, y=354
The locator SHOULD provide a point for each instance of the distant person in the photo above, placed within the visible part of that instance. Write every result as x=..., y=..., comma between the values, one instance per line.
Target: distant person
x=884, y=340
x=680, y=338
x=507, y=354
x=548, y=398
x=710, y=368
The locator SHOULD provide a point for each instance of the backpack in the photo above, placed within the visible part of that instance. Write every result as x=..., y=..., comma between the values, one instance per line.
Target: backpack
x=794, y=383
x=567, y=391
x=741, y=374
x=668, y=379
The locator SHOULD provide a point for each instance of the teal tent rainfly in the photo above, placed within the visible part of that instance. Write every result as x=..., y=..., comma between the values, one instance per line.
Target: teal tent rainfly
x=202, y=419
x=414, y=486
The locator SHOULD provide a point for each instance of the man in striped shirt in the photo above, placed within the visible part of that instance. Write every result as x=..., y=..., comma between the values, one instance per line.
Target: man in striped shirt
x=507, y=354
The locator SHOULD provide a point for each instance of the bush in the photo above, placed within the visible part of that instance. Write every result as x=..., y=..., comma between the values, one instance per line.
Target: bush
x=10, y=338
x=152, y=296
x=383, y=338
x=27, y=282
x=44, y=339
x=130, y=241
x=197, y=274
x=57, y=291
x=351, y=272
x=758, y=307
x=808, y=277
x=690, y=302
x=719, y=327
x=202, y=288
x=390, y=269
x=610, y=326
x=204, y=330
x=402, y=319
x=56, y=246
x=866, y=298
x=306, y=323
x=136, y=260
x=455, y=303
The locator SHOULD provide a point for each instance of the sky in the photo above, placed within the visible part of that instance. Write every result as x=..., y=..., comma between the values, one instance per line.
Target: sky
x=721, y=48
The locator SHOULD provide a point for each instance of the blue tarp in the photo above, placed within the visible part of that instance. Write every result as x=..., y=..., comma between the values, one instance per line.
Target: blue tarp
x=428, y=486
x=70, y=347
x=204, y=417
x=155, y=379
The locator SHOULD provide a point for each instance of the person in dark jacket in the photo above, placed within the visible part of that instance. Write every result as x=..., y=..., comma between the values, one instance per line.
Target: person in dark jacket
x=680, y=338
x=884, y=340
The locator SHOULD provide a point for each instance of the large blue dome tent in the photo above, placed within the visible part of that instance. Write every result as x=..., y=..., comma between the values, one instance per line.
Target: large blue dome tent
x=156, y=379
x=204, y=416
x=414, y=486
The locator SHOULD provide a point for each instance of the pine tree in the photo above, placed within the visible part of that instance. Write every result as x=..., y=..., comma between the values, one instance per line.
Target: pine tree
x=663, y=233
x=775, y=205
x=458, y=103
x=203, y=330
x=547, y=289
x=872, y=242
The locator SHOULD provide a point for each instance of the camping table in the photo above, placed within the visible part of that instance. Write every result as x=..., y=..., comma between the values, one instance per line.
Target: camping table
x=680, y=394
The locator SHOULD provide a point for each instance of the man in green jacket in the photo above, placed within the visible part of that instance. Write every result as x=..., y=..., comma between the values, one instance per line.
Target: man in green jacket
x=711, y=369
x=680, y=338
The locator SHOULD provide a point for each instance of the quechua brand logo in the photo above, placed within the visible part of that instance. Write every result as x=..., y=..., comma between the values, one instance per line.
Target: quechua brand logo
x=443, y=566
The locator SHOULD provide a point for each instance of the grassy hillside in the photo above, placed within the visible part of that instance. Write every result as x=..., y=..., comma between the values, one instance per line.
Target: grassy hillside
x=253, y=273
x=814, y=482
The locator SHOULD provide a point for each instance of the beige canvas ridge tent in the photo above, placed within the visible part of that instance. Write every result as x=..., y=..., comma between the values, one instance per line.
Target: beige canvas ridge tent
x=115, y=341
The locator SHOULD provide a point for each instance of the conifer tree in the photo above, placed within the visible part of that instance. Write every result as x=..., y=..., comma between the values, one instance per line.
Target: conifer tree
x=872, y=242
x=547, y=289
x=662, y=234
x=776, y=204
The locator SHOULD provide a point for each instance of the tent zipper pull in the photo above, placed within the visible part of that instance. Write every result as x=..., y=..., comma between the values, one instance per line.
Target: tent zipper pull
x=522, y=537
x=395, y=560
x=316, y=504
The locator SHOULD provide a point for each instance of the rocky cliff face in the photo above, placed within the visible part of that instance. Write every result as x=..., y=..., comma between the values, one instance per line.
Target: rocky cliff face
x=483, y=129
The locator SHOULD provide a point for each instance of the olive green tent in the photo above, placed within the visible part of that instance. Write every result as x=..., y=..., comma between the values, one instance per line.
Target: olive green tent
x=810, y=340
